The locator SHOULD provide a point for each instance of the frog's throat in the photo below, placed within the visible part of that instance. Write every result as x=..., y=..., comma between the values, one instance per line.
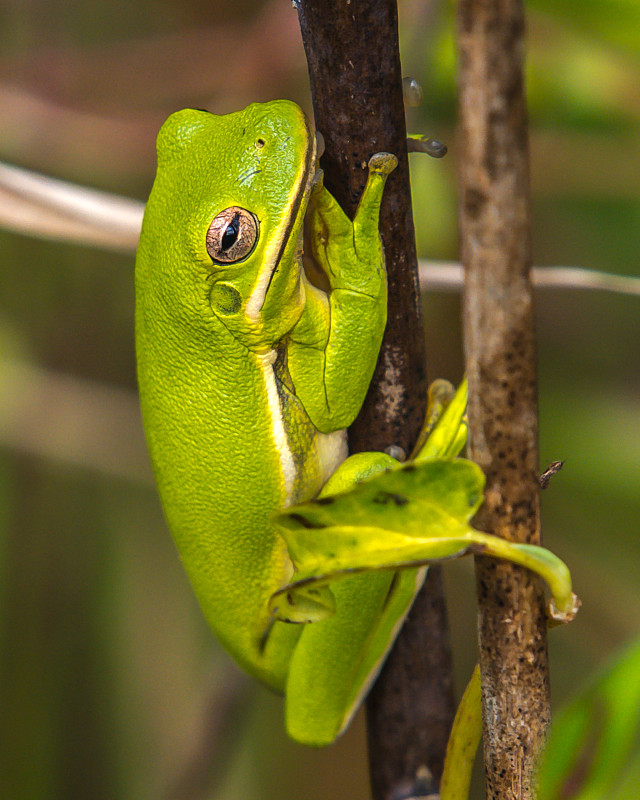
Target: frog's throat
x=256, y=299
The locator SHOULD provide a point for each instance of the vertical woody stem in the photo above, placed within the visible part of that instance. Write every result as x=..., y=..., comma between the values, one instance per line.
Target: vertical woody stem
x=501, y=366
x=356, y=84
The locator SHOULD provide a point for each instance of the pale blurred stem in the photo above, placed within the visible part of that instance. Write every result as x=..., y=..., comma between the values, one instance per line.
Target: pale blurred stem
x=48, y=208
x=495, y=228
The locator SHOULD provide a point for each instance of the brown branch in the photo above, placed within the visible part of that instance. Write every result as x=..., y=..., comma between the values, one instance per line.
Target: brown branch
x=501, y=365
x=354, y=66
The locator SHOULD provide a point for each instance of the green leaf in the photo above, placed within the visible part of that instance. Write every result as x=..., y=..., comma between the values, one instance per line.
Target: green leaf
x=444, y=433
x=594, y=748
x=403, y=517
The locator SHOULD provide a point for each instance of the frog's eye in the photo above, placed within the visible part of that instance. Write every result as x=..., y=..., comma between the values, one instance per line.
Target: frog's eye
x=232, y=235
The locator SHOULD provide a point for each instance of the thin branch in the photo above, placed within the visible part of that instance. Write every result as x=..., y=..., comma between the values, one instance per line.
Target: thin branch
x=48, y=208
x=449, y=276
x=495, y=223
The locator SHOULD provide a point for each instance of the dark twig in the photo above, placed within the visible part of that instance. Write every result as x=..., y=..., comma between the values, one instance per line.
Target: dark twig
x=501, y=366
x=553, y=469
x=352, y=51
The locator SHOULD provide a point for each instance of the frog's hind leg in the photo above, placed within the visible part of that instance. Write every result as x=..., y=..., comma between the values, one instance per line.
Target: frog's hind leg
x=337, y=659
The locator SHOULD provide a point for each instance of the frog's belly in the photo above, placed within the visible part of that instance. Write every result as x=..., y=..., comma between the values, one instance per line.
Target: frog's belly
x=332, y=451
x=223, y=472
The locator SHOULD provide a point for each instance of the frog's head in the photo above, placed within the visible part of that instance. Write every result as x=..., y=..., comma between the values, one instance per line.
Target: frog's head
x=234, y=190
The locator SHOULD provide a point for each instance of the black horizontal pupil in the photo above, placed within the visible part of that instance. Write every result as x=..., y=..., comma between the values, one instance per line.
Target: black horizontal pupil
x=230, y=235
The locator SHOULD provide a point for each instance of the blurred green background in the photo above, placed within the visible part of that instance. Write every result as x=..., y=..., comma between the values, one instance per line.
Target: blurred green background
x=110, y=684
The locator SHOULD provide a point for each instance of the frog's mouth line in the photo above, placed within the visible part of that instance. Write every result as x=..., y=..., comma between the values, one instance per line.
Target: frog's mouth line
x=299, y=202
x=314, y=271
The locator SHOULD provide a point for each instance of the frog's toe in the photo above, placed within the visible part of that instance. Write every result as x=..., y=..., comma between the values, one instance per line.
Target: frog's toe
x=382, y=163
x=317, y=183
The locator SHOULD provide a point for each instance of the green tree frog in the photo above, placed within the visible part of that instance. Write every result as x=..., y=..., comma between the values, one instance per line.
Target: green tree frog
x=248, y=376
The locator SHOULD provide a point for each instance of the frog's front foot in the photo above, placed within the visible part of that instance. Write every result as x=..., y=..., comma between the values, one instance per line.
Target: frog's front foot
x=425, y=144
x=382, y=163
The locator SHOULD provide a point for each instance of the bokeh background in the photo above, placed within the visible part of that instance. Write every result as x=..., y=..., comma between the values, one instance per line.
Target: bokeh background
x=111, y=686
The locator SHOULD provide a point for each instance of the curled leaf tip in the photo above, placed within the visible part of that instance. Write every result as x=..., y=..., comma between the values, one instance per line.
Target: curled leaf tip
x=560, y=616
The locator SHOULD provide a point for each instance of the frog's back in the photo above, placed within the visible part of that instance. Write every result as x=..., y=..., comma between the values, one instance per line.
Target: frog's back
x=229, y=441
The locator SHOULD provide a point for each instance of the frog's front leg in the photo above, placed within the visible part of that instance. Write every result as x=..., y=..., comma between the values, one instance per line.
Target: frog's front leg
x=336, y=341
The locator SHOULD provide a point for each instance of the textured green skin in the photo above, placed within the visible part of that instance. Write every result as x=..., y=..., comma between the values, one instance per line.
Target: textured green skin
x=201, y=368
